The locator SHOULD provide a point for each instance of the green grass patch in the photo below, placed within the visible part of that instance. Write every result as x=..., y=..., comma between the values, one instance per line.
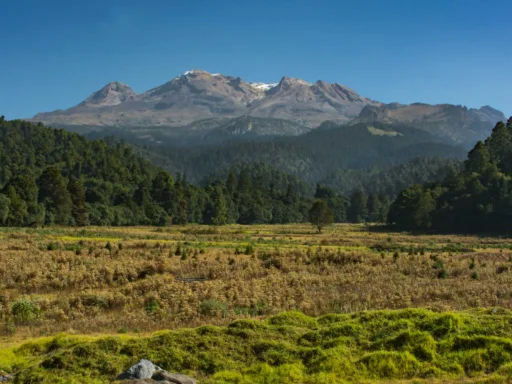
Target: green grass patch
x=288, y=348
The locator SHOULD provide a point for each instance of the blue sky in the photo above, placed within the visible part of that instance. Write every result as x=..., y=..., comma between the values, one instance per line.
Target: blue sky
x=55, y=53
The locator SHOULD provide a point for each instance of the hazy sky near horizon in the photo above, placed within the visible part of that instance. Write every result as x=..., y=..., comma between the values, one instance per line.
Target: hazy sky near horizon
x=55, y=53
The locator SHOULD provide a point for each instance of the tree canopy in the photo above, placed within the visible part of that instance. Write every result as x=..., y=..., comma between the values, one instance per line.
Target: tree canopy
x=320, y=215
x=476, y=199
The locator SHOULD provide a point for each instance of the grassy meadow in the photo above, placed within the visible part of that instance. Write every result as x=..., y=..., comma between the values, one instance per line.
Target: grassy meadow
x=255, y=304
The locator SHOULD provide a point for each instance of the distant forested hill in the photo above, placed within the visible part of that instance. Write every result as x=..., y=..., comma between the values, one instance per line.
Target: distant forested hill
x=313, y=157
x=391, y=181
x=55, y=177
x=51, y=176
x=476, y=199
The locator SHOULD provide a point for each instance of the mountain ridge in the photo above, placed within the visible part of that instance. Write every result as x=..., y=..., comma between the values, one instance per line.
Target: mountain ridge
x=198, y=95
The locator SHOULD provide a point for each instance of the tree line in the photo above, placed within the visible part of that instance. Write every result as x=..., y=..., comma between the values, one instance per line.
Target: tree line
x=54, y=177
x=476, y=199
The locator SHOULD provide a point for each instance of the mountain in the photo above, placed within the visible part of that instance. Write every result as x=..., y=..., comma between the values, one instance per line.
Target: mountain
x=454, y=123
x=198, y=95
x=310, y=104
x=198, y=107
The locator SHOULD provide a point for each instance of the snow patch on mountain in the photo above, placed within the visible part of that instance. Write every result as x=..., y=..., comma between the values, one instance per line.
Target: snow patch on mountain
x=263, y=86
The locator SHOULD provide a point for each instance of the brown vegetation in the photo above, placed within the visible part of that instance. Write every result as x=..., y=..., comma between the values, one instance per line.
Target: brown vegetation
x=142, y=279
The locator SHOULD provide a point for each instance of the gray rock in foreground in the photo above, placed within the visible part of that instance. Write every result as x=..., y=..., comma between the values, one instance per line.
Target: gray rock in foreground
x=145, y=372
x=142, y=381
x=5, y=377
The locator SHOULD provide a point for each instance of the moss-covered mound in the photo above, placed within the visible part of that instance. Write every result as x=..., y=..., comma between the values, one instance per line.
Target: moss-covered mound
x=411, y=345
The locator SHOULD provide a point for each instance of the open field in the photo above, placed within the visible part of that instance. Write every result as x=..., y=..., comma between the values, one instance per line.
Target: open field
x=131, y=282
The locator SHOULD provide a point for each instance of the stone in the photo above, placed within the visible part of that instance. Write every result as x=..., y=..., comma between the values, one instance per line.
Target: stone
x=175, y=378
x=144, y=381
x=139, y=381
x=144, y=369
x=5, y=377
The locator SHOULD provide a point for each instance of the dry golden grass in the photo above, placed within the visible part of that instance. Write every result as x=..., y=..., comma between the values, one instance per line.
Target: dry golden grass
x=141, y=279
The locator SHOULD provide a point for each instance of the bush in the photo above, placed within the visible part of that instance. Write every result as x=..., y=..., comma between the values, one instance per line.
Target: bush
x=53, y=246
x=23, y=311
x=211, y=307
x=249, y=249
x=152, y=306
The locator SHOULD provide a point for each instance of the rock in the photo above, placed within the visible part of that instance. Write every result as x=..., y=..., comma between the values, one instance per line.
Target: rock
x=175, y=378
x=5, y=377
x=144, y=381
x=145, y=372
x=144, y=369
x=139, y=381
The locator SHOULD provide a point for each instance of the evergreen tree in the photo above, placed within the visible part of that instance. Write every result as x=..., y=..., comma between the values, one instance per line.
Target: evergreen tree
x=498, y=146
x=181, y=217
x=54, y=196
x=231, y=184
x=18, y=213
x=358, y=212
x=374, y=208
x=219, y=210
x=320, y=215
x=78, y=210
x=162, y=191
x=4, y=208
x=412, y=208
x=478, y=159
x=384, y=209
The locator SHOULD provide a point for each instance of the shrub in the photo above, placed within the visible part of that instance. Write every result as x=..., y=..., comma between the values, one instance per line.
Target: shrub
x=53, y=246
x=24, y=310
x=211, y=307
x=152, y=306
x=249, y=249
x=442, y=274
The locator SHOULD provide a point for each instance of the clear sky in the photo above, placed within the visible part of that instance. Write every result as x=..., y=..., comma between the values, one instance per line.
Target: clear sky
x=55, y=53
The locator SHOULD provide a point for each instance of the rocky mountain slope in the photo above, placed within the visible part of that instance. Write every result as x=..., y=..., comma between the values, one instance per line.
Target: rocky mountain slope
x=197, y=104
x=455, y=123
x=198, y=95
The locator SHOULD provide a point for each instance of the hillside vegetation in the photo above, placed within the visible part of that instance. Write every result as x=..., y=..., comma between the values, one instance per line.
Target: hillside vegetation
x=477, y=199
x=50, y=176
x=312, y=157
x=382, y=346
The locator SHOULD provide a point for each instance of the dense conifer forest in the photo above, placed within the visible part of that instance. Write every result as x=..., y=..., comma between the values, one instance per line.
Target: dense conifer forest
x=54, y=177
x=477, y=199
x=50, y=176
